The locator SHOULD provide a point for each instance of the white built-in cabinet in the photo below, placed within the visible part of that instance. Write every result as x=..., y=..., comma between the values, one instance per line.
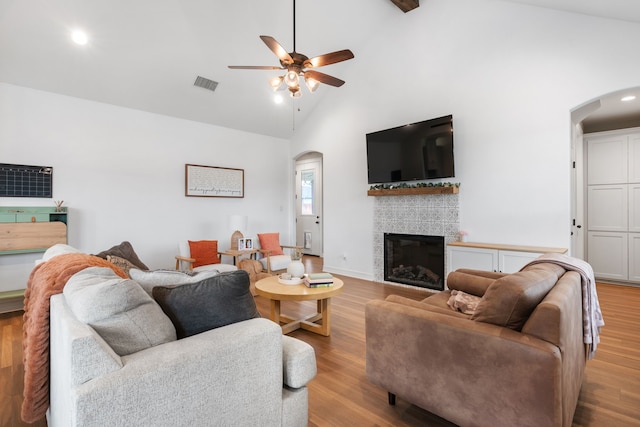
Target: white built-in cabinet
x=613, y=204
x=493, y=257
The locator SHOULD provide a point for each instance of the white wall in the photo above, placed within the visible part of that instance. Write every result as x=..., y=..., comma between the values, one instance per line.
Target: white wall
x=121, y=174
x=510, y=75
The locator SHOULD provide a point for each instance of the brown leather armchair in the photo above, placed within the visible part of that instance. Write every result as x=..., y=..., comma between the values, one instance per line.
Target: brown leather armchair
x=518, y=360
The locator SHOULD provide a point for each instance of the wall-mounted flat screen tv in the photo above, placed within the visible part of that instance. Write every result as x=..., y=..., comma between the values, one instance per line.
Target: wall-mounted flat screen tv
x=412, y=152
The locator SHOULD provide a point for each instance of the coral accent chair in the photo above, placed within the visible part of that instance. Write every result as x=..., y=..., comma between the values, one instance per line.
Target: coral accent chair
x=201, y=255
x=274, y=259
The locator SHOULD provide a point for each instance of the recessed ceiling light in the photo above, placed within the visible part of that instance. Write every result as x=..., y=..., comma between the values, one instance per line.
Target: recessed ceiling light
x=79, y=37
x=628, y=98
x=278, y=99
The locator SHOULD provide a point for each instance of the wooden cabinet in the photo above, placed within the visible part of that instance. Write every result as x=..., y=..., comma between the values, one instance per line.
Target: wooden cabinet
x=613, y=204
x=493, y=257
x=31, y=229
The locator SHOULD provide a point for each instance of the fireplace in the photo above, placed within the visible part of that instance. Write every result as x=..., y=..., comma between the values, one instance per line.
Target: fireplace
x=414, y=260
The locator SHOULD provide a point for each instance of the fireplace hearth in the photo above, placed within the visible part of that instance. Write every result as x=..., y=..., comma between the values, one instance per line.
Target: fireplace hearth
x=415, y=260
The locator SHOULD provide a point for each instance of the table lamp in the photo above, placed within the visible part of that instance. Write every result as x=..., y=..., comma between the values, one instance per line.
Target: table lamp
x=237, y=223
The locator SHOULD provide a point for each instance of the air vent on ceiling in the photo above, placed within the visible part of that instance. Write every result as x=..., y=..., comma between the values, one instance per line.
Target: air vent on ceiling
x=205, y=83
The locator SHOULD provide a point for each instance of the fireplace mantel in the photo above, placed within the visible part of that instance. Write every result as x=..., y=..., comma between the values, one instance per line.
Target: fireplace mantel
x=413, y=191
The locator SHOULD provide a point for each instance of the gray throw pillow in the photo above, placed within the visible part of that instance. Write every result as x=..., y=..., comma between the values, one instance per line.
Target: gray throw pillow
x=208, y=304
x=150, y=279
x=119, y=310
x=124, y=250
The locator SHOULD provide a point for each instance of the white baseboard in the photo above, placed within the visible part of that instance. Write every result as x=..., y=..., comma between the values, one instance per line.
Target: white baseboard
x=350, y=273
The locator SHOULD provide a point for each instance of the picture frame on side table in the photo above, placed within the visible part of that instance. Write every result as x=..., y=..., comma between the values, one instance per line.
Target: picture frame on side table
x=245, y=244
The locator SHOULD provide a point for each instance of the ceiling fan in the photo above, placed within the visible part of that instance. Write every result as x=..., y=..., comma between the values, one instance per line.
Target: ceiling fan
x=297, y=65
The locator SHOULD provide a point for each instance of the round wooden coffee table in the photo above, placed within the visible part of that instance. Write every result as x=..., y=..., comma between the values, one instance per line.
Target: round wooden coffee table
x=277, y=292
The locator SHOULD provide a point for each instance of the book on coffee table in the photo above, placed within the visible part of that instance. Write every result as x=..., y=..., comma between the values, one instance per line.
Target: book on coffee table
x=316, y=280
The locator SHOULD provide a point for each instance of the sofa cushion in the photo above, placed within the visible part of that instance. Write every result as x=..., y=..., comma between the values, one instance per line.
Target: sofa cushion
x=119, y=310
x=124, y=250
x=150, y=279
x=510, y=300
x=271, y=242
x=205, y=252
x=208, y=304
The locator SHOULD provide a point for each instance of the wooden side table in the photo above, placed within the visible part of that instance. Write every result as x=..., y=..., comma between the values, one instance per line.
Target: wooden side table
x=237, y=254
x=277, y=292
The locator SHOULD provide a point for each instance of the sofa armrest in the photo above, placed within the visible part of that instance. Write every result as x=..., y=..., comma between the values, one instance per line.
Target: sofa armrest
x=434, y=360
x=483, y=273
x=469, y=283
x=298, y=362
x=232, y=375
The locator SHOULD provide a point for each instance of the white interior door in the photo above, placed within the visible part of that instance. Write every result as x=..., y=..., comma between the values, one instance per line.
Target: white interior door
x=309, y=205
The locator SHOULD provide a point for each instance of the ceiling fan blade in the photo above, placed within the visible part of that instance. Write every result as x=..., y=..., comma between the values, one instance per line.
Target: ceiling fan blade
x=324, y=78
x=329, y=58
x=275, y=47
x=255, y=67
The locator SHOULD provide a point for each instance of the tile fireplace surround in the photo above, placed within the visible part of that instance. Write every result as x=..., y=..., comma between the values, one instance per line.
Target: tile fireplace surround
x=431, y=215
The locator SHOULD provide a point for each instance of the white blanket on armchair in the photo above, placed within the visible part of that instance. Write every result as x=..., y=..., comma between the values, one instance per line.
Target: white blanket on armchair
x=591, y=314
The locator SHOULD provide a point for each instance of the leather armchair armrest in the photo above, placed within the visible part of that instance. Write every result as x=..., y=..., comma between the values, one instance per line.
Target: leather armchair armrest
x=483, y=273
x=469, y=282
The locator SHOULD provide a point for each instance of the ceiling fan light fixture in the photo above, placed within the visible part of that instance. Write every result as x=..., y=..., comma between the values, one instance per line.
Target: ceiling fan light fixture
x=295, y=92
x=291, y=79
x=276, y=82
x=312, y=84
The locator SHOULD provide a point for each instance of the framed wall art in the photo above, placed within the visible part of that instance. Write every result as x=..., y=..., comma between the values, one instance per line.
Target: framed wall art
x=213, y=181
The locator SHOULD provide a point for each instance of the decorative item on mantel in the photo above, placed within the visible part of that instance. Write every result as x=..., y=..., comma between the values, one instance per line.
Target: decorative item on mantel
x=463, y=236
x=404, y=189
x=296, y=267
x=59, y=207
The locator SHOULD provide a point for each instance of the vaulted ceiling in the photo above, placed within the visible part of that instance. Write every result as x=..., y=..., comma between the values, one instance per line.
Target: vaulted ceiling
x=146, y=54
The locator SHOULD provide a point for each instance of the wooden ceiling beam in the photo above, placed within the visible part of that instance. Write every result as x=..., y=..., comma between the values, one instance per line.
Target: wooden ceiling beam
x=406, y=5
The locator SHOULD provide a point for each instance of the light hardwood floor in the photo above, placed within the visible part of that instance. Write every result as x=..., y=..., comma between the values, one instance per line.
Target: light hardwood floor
x=340, y=395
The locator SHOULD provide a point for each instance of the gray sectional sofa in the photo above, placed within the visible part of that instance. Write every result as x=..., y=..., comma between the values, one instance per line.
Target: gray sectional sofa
x=118, y=357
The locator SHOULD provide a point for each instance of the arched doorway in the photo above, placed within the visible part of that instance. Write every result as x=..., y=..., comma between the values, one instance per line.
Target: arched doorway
x=309, y=201
x=608, y=112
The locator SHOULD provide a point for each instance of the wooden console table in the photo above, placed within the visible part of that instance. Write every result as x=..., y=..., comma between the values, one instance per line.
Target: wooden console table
x=31, y=229
x=493, y=256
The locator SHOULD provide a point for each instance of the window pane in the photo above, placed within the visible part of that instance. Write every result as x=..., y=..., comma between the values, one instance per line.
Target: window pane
x=307, y=181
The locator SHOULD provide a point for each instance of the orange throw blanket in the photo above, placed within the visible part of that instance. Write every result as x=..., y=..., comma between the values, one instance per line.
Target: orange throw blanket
x=46, y=279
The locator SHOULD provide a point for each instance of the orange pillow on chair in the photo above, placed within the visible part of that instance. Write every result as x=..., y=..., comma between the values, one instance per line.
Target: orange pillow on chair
x=271, y=242
x=204, y=252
